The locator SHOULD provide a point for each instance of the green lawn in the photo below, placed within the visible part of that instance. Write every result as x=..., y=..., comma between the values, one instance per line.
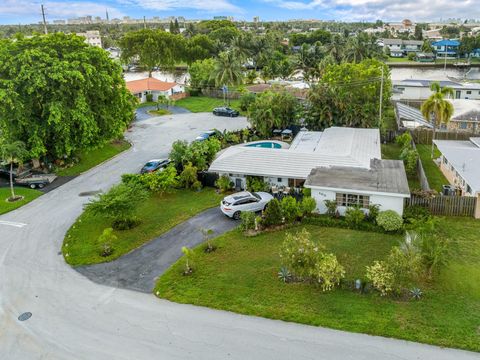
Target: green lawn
x=392, y=152
x=241, y=276
x=399, y=60
x=91, y=158
x=204, y=104
x=435, y=177
x=29, y=195
x=158, y=214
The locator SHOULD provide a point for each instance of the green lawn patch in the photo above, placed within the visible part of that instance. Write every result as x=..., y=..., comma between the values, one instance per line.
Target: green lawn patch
x=91, y=158
x=392, y=152
x=159, y=112
x=158, y=214
x=146, y=103
x=204, y=104
x=241, y=276
x=434, y=175
x=28, y=194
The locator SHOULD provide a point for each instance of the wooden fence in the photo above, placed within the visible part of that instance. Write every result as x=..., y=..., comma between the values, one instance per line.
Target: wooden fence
x=425, y=136
x=446, y=205
x=422, y=177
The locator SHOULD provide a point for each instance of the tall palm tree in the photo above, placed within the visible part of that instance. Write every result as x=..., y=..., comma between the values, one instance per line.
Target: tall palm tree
x=12, y=153
x=436, y=109
x=228, y=70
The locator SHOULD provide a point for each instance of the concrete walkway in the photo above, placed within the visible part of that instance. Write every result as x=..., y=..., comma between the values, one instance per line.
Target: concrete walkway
x=139, y=269
x=143, y=112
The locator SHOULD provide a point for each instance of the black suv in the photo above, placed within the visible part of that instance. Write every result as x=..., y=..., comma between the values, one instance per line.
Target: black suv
x=225, y=111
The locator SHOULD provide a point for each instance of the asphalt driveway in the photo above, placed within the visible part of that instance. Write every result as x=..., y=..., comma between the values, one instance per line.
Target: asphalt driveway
x=142, y=113
x=139, y=269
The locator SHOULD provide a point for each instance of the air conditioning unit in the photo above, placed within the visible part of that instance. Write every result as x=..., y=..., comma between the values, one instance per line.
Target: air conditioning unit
x=448, y=190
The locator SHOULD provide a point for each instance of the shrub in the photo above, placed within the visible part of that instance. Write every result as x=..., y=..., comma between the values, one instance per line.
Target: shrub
x=119, y=203
x=134, y=180
x=308, y=206
x=273, y=214
x=290, y=209
x=331, y=206
x=373, y=211
x=307, y=192
x=188, y=177
x=255, y=183
x=404, y=140
x=410, y=159
x=106, y=240
x=284, y=274
x=299, y=254
x=435, y=252
x=327, y=221
x=149, y=97
x=381, y=277
x=247, y=220
x=328, y=271
x=198, y=153
x=411, y=56
x=389, y=220
x=354, y=216
x=161, y=181
x=224, y=183
x=416, y=213
x=125, y=223
x=246, y=100
x=207, y=235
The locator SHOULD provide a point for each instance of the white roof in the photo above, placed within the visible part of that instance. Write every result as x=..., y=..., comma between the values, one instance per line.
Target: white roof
x=334, y=147
x=465, y=109
x=464, y=156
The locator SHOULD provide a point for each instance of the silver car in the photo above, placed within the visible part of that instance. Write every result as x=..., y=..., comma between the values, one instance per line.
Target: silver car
x=234, y=204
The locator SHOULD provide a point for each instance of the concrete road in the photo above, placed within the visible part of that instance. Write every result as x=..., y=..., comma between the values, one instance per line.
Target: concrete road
x=139, y=269
x=75, y=318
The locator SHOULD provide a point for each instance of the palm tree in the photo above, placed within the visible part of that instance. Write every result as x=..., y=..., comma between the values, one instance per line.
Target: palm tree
x=228, y=70
x=436, y=109
x=13, y=153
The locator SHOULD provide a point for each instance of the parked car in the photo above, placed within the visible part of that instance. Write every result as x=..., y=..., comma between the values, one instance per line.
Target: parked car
x=206, y=135
x=225, y=111
x=154, y=165
x=233, y=205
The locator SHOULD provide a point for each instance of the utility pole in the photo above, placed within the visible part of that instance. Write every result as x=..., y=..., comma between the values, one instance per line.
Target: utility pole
x=381, y=102
x=44, y=22
x=144, y=23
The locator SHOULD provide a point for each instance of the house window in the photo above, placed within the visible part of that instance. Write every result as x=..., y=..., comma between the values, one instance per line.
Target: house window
x=469, y=189
x=352, y=200
x=469, y=92
x=445, y=161
x=279, y=180
x=463, y=125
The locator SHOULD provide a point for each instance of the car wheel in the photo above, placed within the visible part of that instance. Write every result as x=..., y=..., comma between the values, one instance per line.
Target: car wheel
x=41, y=186
x=33, y=186
x=236, y=215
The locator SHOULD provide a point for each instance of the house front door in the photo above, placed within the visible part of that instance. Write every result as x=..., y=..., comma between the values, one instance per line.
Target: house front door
x=238, y=184
x=458, y=94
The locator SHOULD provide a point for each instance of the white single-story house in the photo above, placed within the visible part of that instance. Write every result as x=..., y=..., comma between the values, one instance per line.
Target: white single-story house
x=140, y=89
x=412, y=89
x=342, y=164
x=460, y=163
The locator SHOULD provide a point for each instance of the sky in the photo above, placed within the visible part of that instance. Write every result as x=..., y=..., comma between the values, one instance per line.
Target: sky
x=28, y=11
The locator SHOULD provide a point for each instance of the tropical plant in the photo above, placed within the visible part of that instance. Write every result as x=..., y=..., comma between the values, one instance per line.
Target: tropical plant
x=246, y=100
x=12, y=153
x=354, y=216
x=224, y=183
x=327, y=271
x=248, y=220
x=331, y=206
x=188, y=253
x=290, y=209
x=106, y=241
x=389, y=220
x=284, y=274
x=207, y=235
x=308, y=206
x=161, y=181
x=436, y=109
x=256, y=183
x=373, y=211
x=381, y=277
x=416, y=293
x=228, y=69
x=188, y=177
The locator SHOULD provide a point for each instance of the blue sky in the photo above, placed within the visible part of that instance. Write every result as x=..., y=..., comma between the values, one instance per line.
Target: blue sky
x=28, y=11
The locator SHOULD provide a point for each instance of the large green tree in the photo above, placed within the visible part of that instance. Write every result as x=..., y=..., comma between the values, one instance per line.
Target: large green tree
x=152, y=48
x=436, y=108
x=201, y=73
x=228, y=69
x=59, y=95
x=348, y=94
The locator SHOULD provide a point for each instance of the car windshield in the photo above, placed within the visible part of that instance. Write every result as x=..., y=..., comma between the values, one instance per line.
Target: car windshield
x=257, y=196
x=151, y=163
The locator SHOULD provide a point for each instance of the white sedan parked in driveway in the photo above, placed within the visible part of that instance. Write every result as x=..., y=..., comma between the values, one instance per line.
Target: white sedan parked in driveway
x=234, y=204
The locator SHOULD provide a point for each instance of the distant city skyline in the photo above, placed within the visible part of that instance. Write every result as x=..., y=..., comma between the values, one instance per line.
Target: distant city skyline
x=28, y=11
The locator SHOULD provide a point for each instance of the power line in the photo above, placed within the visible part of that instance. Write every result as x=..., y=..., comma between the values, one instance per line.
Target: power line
x=44, y=21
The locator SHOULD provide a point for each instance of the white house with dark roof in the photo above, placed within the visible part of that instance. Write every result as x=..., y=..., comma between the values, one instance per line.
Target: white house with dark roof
x=413, y=89
x=352, y=154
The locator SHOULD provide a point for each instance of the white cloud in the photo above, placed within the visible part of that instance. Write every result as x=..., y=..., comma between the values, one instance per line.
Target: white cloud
x=355, y=10
x=56, y=9
x=200, y=5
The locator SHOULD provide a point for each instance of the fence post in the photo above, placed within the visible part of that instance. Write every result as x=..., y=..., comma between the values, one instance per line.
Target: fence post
x=477, y=208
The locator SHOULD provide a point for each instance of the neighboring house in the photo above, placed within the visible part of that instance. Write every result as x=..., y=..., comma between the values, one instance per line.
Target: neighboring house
x=460, y=163
x=405, y=26
x=412, y=89
x=475, y=53
x=432, y=34
x=465, y=118
x=446, y=48
x=92, y=37
x=342, y=164
x=141, y=88
x=400, y=48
